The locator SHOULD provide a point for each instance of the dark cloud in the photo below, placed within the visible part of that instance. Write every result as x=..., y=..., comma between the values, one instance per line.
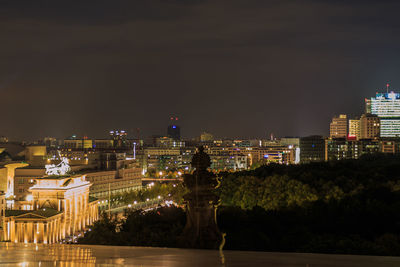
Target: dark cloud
x=235, y=68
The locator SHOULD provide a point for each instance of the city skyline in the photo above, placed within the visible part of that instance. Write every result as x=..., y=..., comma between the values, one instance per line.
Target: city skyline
x=283, y=67
x=174, y=123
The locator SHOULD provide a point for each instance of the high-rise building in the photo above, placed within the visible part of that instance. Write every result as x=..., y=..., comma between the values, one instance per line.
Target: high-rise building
x=174, y=131
x=338, y=127
x=354, y=128
x=369, y=126
x=387, y=107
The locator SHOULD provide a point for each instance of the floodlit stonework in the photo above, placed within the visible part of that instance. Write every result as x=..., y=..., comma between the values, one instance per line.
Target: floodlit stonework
x=59, y=207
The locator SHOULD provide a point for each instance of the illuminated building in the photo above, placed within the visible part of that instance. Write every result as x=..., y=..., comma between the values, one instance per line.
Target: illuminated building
x=75, y=156
x=168, y=142
x=36, y=155
x=7, y=181
x=114, y=181
x=341, y=148
x=312, y=148
x=290, y=141
x=387, y=107
x=369, y=146
x=338, y=127
x=78, y=143
x=157, y=157
x=226, y=162
x=103, y=144
x=275, y=154
x=387, y=146
x=354, y=129
x=369, y=126
x=206, y=137
x=119, y=138
x=60, y=207
x=115, y=176
x=2, y=214
x=158, y=151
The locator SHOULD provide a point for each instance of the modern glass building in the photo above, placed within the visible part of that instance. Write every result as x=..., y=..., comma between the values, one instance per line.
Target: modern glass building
x=387, y=107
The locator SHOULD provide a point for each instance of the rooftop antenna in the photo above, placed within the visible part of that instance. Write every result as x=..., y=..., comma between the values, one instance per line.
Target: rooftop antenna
x=387, y=87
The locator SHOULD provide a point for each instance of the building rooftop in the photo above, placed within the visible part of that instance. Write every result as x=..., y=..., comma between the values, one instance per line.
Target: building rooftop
x=44, y=213
x=82, y=255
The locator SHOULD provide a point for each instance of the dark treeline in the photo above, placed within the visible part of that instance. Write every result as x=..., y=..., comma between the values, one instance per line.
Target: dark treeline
x=156, y=228
x=277, y=186
x=350, y=207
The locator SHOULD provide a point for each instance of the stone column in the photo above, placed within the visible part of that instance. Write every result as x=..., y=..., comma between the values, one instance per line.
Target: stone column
x=45, y=233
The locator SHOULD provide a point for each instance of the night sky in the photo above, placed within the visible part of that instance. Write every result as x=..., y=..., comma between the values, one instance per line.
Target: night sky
x=233, y=68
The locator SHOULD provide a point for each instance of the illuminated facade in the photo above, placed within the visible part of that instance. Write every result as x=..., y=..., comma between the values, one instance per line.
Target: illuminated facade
x=341, y=148
x=354, y=128
x=78, y=143
x=114, y=181
x=206, y=137
x=338, y=127
x=387, y=107
x=2, y=213
x=8, y=181
x=226, y=162
x=59, y=207
x=370, y=126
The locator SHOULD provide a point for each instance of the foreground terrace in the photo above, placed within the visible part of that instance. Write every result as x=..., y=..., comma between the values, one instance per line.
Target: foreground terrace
x=81, y=255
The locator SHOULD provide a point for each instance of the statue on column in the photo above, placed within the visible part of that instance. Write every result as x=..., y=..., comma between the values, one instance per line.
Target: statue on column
x=201, y=230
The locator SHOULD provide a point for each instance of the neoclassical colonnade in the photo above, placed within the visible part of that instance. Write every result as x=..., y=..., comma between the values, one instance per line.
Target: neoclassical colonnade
x=61, y=209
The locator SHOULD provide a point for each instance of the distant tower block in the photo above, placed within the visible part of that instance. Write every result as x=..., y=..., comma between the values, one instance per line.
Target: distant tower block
x=338, y=127
x=387, y=107
x=174, y=131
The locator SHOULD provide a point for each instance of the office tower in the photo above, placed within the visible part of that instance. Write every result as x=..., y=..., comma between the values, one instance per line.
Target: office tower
x=387, y=107
x=174, y=131
x=369, y=126
x=354, y=128
x=338, y=127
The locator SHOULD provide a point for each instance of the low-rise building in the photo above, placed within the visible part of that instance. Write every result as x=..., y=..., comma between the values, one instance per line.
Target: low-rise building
x=60, y=207
x=312, y=148
x=341, y=148
x=105, y=183
x=226, y=162
x=2, y=214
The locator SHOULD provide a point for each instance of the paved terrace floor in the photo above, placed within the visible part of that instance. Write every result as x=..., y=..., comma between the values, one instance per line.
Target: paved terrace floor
x=80, y=255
